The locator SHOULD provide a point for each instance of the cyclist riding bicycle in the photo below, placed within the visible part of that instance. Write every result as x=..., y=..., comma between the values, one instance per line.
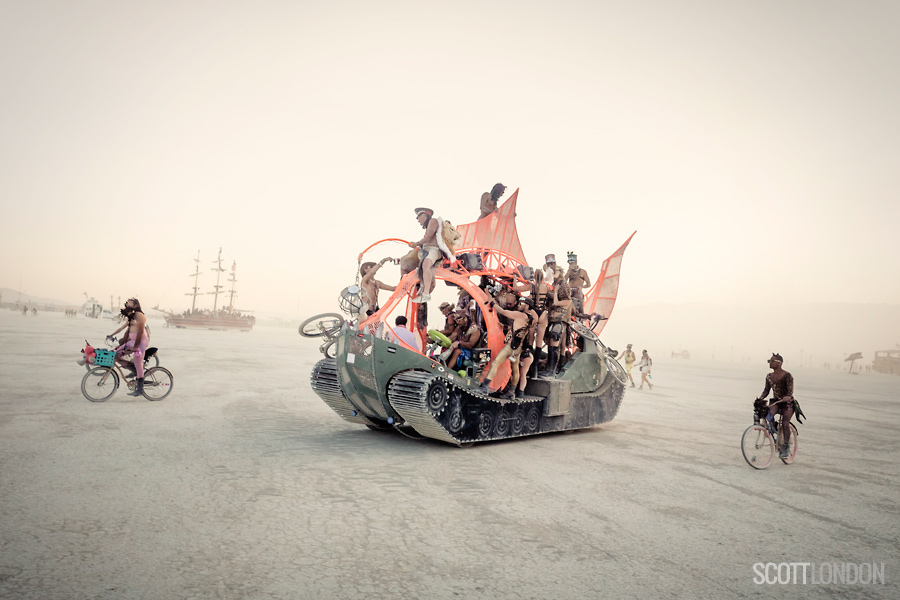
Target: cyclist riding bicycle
x=136, y=340
x=781, y=383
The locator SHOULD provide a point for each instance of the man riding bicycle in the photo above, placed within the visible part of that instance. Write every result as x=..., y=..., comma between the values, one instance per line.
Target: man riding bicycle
x=136, y=340
x=781, y=383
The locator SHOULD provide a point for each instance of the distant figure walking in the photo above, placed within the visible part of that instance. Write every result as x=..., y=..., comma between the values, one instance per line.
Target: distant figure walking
x=645, y=366
x=629, y=358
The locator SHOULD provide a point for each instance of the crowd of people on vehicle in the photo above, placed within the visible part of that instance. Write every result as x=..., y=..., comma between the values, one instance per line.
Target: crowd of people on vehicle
x=536, y=308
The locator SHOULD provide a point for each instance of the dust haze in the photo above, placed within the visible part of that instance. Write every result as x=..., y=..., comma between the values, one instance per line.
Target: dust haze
x=811, y=335
x=752, y=145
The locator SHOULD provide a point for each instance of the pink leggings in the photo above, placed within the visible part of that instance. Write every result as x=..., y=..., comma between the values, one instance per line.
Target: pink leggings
x=138, y=357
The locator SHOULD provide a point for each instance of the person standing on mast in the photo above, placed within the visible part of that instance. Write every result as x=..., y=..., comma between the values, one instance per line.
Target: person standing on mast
x=489, y=200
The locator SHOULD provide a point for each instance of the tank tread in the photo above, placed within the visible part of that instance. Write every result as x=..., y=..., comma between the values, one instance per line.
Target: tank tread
x=325, y=383
x=439, y=408
x=407, y=393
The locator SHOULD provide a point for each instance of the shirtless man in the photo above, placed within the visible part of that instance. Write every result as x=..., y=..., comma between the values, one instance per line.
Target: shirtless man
x=465, y=338
x=577, y=280
x=781, y=383
x=136, y=340
x=489, y=200
x=429, y=252
x=372, y=285
x=560, y=315
x=521, y=323
x=450, y=324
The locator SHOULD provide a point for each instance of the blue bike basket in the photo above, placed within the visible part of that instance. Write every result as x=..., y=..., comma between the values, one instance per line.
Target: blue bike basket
x=105, y=358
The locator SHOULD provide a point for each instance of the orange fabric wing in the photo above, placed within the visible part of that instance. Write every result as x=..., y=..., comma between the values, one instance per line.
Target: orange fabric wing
x=601, y=298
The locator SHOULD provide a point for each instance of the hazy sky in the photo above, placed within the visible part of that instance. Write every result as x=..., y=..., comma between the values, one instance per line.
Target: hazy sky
x=753, y=145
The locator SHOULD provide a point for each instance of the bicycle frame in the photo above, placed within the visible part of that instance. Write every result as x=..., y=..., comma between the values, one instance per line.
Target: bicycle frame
x=774, y=427
x=118, y=368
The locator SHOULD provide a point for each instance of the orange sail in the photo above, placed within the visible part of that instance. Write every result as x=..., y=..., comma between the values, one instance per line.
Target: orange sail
x=601, y=298
x=494, y=237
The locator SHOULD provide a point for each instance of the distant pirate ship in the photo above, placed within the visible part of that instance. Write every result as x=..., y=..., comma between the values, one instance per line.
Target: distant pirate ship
x=221, y=319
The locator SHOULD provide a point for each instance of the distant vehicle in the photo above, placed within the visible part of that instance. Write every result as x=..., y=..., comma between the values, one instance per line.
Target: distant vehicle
x=93, y=309
x=887, y=361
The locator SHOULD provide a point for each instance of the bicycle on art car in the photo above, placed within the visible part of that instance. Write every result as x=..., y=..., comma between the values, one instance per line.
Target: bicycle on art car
x=762, y=440
x=102, y=380
x=327, y=326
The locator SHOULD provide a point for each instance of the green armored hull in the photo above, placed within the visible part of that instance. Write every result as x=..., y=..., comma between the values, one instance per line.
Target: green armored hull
x=370, y=378
x=383, y=385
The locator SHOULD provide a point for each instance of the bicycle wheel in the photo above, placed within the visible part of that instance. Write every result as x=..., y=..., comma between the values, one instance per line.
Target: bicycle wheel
x=583, y=331
x=758, y=447
x=319, y=325
x=329, y=349
x=157, y=383
x=151, y=362
x=793, y=446
x=99, y=384
x=616, y=370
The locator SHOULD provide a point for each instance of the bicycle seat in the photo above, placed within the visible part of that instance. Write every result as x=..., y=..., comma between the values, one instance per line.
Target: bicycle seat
x=150, y=352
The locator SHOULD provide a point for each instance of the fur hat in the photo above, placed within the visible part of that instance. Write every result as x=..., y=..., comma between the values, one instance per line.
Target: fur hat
x=572, y=257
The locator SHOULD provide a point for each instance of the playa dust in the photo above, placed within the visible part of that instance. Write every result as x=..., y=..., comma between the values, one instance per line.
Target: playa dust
x=244, y=484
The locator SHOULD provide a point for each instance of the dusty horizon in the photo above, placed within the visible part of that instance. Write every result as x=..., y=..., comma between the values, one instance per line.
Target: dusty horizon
x=807, y=335
x=751, y=146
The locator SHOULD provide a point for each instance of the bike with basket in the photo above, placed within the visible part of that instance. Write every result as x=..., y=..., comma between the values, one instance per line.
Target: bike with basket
x=104, y=374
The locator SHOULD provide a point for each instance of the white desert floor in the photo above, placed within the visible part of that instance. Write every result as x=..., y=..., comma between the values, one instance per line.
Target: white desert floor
x=244, y=484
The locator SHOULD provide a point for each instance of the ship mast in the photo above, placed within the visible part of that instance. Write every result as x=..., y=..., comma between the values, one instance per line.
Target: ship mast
x=233, y=279
x=219, y=270
x=196, y=275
